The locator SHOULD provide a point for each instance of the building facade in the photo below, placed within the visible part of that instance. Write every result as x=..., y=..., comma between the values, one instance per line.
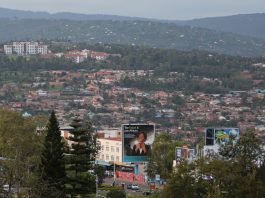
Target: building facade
x=25, y=48
x=110, y=149
x=8, y=49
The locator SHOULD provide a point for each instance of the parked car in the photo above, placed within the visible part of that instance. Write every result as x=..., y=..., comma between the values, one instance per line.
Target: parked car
x=129, y=186
x=6, y=188
x=135, y=187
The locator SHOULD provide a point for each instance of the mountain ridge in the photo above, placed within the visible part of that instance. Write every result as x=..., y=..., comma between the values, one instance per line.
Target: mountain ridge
x=111, y=29
x=243, y=24
x=141, y=33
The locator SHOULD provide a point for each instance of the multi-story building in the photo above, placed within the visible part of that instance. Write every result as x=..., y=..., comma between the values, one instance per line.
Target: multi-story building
x=25, y=48
x=31, y=47
x=8, y=49
x=42, y=49
x=19, y=48
x=110, y=149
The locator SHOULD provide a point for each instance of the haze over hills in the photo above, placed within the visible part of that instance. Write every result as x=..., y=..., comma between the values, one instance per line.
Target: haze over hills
x=28, y=25
x=244, y=24
x=21, y=14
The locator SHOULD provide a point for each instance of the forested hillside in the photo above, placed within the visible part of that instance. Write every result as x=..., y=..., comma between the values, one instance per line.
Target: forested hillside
x=142, y=33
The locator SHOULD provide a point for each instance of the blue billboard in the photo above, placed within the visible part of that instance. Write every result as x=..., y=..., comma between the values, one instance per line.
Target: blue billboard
x=137, y=140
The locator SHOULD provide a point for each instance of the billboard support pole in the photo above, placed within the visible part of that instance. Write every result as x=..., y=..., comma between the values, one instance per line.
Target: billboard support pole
x=114, y=172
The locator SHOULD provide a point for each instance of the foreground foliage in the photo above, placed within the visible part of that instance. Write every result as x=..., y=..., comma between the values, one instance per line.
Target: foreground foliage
x=237, y=172
x=80, y=160
x=52, y=167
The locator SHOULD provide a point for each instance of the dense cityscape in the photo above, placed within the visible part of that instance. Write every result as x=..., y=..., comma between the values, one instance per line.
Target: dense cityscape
x=122, y=107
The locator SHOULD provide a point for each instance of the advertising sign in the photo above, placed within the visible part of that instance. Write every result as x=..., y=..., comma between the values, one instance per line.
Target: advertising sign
x=137, y=140
x=184, y=153
x=220, y=136
x=178, y=153
x=224, y=135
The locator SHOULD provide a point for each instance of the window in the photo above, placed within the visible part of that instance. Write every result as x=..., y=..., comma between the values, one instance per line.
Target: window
x=107, y=148
x=112, y=149
x=102, y=157
x=112, y=158
x=107, y=157
x=102, y=147
x=117, y=149
x=117, y=158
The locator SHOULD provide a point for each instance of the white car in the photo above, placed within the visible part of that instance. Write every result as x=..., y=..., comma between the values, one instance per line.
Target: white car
x=135, y=187
x=6, y=188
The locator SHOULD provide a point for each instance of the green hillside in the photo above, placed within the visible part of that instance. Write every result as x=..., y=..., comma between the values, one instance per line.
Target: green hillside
x=144, y=33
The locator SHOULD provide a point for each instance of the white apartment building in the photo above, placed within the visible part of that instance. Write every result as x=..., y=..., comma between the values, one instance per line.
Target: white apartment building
x=42, y=49
x=31, y=47
x=19, y=48
x=111, y=149
x=8, y=49
x=25, y=48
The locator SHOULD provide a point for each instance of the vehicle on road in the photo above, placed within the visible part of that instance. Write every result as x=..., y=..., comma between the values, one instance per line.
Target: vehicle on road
x=135, y=187
x=129, y=186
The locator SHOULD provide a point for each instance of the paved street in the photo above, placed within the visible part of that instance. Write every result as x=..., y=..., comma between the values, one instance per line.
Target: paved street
x=142, y=187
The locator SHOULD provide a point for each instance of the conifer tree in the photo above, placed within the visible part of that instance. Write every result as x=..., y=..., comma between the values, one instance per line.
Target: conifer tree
x=52, y=161
x=81, y=159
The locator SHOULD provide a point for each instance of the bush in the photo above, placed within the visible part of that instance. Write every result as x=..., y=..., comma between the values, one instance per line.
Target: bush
x=116, y=194
x=111, y=188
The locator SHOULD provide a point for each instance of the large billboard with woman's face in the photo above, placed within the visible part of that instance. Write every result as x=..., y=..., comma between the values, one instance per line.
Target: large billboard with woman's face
x=137, y=140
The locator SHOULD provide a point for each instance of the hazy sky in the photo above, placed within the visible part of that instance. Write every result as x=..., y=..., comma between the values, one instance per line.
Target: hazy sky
x=162, y=9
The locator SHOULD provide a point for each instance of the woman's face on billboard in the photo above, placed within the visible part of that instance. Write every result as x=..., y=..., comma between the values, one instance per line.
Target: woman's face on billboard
x=141, y=138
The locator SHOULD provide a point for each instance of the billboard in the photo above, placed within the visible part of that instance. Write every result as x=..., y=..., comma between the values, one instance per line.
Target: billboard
x=184, y=153
x=137, y=140
x=221, y=136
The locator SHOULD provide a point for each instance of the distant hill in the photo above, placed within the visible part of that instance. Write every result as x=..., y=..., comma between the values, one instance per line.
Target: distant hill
x=154, y=34
x=181, y=35
x=21, y=14
x=244, y=24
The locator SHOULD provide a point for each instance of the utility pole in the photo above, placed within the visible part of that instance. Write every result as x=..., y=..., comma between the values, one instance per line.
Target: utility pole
x=114, y=172
x=96, y=185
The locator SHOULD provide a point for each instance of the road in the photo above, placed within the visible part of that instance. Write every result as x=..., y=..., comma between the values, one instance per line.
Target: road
x=142, y=186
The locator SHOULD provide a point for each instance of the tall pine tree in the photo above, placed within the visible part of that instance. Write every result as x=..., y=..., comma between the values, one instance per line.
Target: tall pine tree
x=80, y=159
x=52, y=161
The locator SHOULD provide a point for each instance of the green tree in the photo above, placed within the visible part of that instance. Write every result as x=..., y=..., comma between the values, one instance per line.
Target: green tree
x=52, y=168
x=80, y=159
x=237, y=172
x=20, y=150
x=162, y=156
x=100, y=172
x=181, y=183
x=116, y=194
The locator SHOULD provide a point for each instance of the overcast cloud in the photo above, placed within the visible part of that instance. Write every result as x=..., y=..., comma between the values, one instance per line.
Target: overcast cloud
x=162, y=9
